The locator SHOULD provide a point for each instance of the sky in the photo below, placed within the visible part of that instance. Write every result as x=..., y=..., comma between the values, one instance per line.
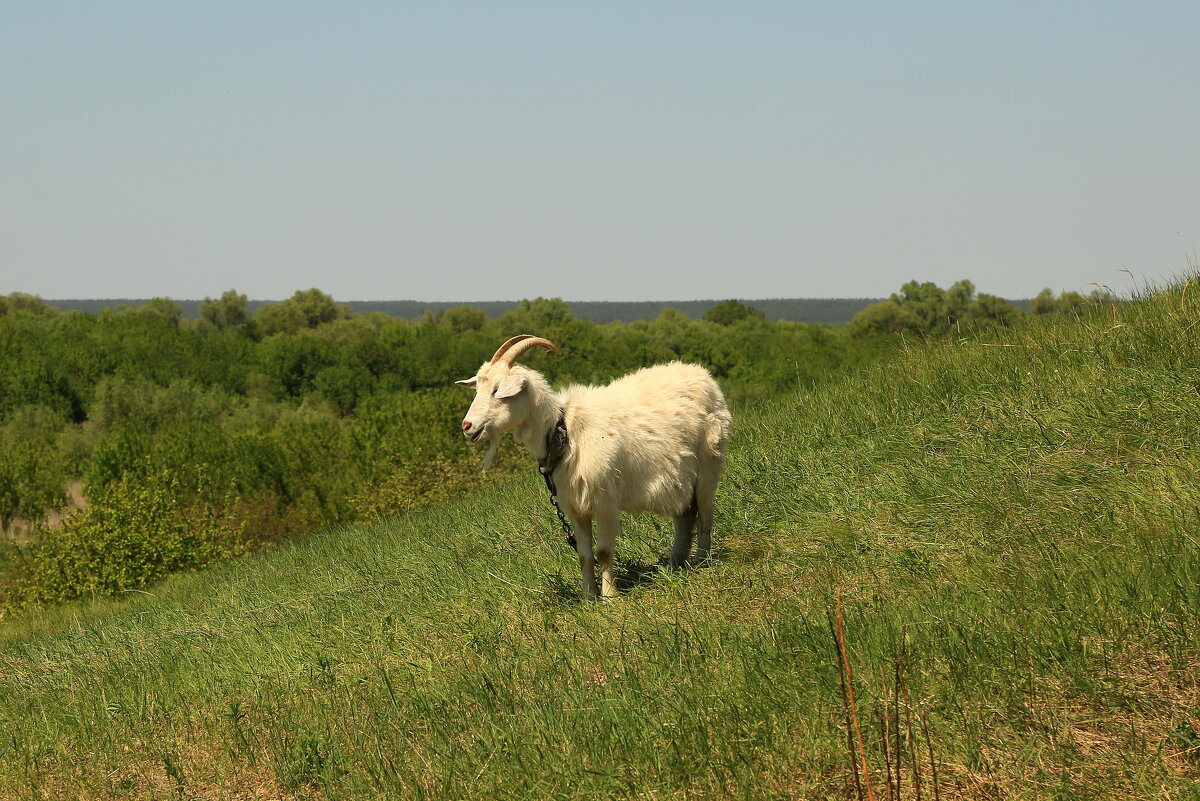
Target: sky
x=595, y=151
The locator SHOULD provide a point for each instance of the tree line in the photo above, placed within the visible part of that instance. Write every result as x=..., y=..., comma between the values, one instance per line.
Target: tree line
x=925, y=309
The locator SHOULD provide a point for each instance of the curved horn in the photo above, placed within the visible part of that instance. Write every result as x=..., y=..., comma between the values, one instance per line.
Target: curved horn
x=508, y=344
x=514, y=352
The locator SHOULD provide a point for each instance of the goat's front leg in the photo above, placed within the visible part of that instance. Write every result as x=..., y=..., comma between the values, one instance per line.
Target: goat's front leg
x=587, y=563
x=608, y=527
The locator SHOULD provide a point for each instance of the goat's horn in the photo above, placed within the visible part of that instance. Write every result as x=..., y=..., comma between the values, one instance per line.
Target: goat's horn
x=508, y=344
x=514, y=351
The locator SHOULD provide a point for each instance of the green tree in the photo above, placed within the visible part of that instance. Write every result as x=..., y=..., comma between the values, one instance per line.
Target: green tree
x=30, y=480
x=20, y=302
x=318, y=308
x=1073, y=302
x=1044, y=303
x=343, y=385
x=306, y=308
x=553, y=319
x=990, y=309
x=464, y=318
x=884, y=317
x=229, y=311
x=1068, y=302
x=938, y=310
x=161, y=309
x=728, y=312
x=926, y=302
x=293, y=362
x=280, y=318
x=544, y=311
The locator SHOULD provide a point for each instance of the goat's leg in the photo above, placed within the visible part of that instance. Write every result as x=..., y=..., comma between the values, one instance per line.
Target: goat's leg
x=705, y=495
x=587, y=563
x=608, y=527
x=685, y=523
x=704, y=537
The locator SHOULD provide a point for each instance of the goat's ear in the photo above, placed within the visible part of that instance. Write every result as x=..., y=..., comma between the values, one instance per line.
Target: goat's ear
x=469, y=383
x=510, y=385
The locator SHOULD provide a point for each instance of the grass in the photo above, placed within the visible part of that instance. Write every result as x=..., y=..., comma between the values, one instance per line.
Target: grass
x=1010, y=522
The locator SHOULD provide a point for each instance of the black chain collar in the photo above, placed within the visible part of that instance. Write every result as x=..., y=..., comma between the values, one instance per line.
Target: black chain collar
x=556, y=446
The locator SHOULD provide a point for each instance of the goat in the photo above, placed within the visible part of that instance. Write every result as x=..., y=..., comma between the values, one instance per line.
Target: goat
x=652, y=441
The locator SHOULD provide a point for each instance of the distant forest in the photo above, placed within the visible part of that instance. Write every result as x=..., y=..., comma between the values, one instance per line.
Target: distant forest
x=834, y=311
x=802, y=310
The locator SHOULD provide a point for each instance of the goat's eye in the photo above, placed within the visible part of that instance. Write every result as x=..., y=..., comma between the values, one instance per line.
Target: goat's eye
x=495, y=389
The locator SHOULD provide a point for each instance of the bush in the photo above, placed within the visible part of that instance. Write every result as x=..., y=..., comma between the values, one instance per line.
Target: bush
x=30, y=481
x=419, y=484
x=135, y=531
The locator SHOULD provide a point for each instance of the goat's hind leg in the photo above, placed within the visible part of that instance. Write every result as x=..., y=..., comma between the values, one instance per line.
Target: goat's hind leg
x=685, y=523
x=705, y=496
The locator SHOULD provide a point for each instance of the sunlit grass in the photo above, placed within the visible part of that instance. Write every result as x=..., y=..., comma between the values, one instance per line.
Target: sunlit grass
x=1017, y=513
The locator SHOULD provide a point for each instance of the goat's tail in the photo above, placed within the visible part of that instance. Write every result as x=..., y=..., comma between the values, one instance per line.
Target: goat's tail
x=719, y=429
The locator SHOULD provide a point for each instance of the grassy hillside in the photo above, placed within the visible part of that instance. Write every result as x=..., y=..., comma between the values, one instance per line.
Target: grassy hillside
x=1011, y=523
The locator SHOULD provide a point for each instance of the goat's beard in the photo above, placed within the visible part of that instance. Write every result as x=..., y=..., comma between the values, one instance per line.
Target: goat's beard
x=493, y=445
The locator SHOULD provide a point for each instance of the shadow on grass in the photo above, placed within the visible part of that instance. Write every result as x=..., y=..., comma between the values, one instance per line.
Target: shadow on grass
x=629, y=574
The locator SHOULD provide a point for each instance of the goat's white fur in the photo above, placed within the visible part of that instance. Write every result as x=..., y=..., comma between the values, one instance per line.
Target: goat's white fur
x=651, y=441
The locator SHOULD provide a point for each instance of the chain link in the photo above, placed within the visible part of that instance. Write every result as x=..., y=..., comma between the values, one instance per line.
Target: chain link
x=562, y=518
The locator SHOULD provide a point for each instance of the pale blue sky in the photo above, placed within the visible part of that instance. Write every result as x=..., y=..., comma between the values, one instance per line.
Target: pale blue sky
x=599, y=151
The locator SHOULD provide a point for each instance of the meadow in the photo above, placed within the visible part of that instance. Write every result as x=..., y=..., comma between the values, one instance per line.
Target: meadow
x=966, y=567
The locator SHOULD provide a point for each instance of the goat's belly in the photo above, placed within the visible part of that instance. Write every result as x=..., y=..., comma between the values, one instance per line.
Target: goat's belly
x=629, y=493
x=661, y=500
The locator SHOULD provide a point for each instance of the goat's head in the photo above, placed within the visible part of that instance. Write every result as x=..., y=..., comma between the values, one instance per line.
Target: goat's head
x=502, y=399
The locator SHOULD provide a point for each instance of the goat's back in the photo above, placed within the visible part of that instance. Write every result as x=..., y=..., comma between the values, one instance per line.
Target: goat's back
x=642, y=440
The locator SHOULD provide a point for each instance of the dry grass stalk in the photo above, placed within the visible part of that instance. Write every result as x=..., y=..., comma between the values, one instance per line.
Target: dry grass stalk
x=902, y=687
x=848, y=684
x=833, y=630
x=885, y=731
x=937, y=796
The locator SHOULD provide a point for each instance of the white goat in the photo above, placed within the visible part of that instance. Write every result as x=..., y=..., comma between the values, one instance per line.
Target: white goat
x=652, y=441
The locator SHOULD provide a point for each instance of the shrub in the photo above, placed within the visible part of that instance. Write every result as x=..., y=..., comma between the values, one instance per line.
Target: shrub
x=135, y=531
x=121, y=453
x=427, y=482
x=31, y=480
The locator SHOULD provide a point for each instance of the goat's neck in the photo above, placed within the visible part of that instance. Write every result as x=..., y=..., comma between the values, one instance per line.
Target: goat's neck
x=536, y=428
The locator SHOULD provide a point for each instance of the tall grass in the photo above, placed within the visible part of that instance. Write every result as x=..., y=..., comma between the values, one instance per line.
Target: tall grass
x=1010, y=521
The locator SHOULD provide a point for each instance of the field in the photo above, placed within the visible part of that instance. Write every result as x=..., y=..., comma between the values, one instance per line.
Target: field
x=998, y=530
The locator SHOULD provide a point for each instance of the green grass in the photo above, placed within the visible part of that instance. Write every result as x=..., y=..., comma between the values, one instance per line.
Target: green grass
x=1017, y=513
